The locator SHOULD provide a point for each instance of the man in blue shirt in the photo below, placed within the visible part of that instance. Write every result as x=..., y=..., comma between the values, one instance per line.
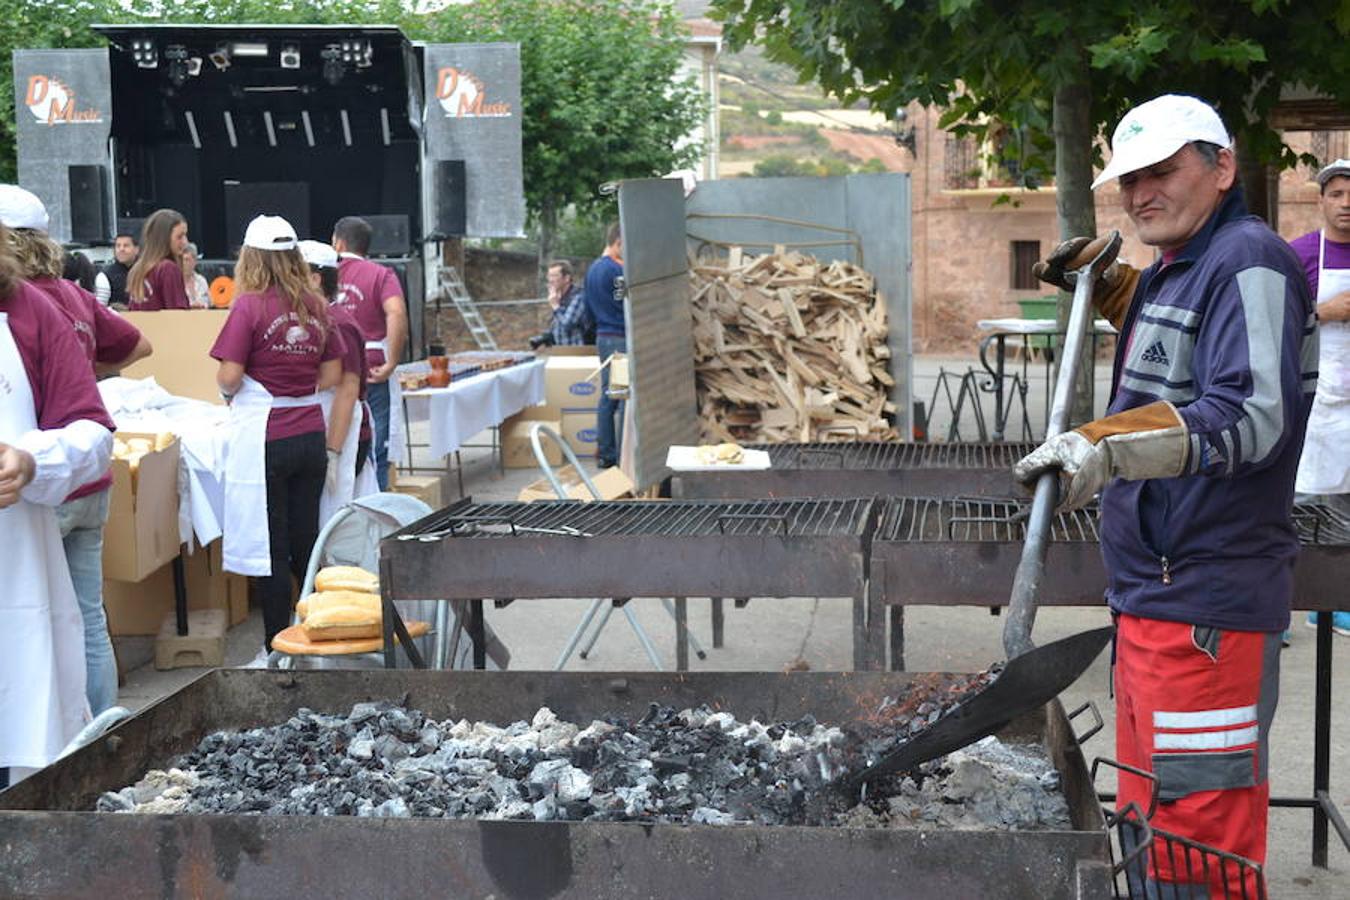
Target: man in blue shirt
x=604, y=298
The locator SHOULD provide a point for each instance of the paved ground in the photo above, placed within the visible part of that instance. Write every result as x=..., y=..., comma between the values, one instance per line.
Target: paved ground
x=769, y=635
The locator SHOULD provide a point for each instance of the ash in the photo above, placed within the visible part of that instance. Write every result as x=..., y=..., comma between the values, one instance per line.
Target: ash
x=692, y=766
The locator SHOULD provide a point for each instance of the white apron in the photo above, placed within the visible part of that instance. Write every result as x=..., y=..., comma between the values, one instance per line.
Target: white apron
x=246, y=541
x=398, y=436
x=42, y=672
x=1324, y=467
x=349, y=486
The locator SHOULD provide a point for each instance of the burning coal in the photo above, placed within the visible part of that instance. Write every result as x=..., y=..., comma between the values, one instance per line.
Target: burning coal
x=695, y=765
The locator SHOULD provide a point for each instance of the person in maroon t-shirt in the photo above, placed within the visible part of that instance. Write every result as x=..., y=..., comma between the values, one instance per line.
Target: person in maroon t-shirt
x=323, y=278
x=279, y=334
x=109, y=342
x=54, y=436
x=156, y=280
x=374, y=297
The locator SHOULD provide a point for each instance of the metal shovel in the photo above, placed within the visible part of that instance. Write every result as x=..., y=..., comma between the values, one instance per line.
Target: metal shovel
x=1032, y=676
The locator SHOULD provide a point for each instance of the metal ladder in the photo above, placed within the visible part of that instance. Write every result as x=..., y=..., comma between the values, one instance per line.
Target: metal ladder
x=453, y=287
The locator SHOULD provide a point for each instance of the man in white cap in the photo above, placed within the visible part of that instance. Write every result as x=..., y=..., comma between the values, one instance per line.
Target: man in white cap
x=1195, y=461
x=1324, y=470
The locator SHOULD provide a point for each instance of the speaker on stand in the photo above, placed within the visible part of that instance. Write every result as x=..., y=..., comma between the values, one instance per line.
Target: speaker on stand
x=89, y=206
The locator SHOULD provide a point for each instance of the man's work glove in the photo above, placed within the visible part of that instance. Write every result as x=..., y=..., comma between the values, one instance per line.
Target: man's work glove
x=1113, y=290
x=330, y=477
x=541, y=340
x=1145, y=442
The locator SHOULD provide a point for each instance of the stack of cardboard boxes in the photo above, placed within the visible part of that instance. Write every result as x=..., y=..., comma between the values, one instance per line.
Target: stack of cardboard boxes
x=571, y=396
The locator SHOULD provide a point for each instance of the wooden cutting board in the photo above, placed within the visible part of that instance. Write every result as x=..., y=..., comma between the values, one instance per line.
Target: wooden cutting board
x=293, y=641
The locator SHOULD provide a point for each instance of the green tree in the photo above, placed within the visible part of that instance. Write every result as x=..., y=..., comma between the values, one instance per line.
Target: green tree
x=1062, y=75
x=601, y=87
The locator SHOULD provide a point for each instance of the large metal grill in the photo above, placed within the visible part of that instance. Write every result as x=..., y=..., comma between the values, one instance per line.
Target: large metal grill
x=570, y=518
x=56, y=848
x=964, y=551
x=618, y=549
x=864, y=469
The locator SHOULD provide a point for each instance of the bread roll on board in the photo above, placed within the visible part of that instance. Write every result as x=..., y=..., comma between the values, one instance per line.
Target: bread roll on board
x=346, y=578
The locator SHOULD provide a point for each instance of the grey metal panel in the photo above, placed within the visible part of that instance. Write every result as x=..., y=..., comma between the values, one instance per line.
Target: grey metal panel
x=831, y=218
x=660, y=324
x=473, y=113
x=63, y=115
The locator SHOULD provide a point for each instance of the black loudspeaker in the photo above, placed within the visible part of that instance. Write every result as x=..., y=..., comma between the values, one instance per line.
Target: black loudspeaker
x=245, y=200
x=451, y=208
x=131, y=225
x=388, y=235
x=88, y=204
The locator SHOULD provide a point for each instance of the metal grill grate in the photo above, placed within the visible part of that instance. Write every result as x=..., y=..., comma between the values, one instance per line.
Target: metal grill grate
x=890, y=455
x=932, y=519
x=690, y=518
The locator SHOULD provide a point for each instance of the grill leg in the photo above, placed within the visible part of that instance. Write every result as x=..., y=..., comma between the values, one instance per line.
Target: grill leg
x=897, y=638
x=1322, y=737
x=860, y=634
x=718, y=623
x=645, y=641
x=681, y=634
x=476, y=632
x=689, y=635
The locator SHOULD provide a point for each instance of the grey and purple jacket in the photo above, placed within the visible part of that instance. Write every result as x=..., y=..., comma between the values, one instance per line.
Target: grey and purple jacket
x=1226, y=333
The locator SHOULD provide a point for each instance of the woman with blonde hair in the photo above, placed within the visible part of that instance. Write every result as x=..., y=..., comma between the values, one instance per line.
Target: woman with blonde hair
x=277, y=350
x=156, y=280
x=108, y=342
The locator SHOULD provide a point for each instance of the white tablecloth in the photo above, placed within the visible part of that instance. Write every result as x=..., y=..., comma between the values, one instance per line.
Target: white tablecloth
x=1035, y=326
x=465, y=408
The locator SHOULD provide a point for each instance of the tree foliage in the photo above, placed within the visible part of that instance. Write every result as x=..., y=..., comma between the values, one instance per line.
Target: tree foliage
x=987, y=62
x=600, y=82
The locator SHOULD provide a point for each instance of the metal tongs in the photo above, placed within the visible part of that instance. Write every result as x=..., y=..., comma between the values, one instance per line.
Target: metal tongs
x=1032, y=676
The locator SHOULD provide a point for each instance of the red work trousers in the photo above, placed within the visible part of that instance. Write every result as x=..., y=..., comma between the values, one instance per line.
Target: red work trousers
x=1194, y=706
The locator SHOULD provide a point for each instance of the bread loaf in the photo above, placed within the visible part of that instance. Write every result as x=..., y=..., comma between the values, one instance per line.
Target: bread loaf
x=337, y=623
x=347, y=578
x=321, y=600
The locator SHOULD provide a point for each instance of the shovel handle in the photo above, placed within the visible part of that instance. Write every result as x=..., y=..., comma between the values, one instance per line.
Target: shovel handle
x=1031, y=568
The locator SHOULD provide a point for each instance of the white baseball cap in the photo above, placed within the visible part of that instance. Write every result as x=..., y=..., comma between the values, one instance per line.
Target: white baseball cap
x=21, y=209
x=1155, y=130
x=270, y=233
x=1339, y=167
x=319, y=255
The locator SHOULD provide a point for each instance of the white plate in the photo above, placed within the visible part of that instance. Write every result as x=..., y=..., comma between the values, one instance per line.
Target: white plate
x=685, y=459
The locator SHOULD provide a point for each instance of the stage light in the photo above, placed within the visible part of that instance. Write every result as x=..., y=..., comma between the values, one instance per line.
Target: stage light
x=179, y=70
x=333, y=66
x=144, y=54
x=249, y=49
x=221, y=58
x=290, y=56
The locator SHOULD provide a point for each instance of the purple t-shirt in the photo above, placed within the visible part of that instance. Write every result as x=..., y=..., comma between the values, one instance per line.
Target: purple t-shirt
x=62, y=393
x=1306, y=247
x=104, y=337
x=353, y=358
x=363, y=286
x=164, y=288
x=265, y=335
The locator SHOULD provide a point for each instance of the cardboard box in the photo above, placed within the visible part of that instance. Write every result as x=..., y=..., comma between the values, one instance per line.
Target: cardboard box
x=142, y=530
x=567, y=385
x=578, y=429
x=518, y=452
x=427, y=488
x=182, y=339
x=612, y=484
x=137, y=608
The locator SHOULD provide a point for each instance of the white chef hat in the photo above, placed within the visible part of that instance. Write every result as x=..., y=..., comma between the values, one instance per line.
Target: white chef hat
x=21, y=209
x=270, y=233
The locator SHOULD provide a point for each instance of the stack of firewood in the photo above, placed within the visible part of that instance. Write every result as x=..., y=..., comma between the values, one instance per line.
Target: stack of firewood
x=790, y=349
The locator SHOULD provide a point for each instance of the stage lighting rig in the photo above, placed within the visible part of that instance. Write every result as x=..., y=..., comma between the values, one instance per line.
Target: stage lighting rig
x=144, y=53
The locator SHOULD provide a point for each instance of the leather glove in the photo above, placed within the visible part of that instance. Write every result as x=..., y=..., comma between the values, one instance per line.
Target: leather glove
x=330, y=477
x=1145, y=442
x=541, y=340
x=1113, y=290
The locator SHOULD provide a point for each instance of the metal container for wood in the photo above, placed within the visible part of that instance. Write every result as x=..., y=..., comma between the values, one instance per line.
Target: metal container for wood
x=54, y=847
x=863, y=469
x=628, y=548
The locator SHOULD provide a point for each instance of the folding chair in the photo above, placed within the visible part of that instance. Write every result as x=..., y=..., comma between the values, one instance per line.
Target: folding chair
x=579, y=632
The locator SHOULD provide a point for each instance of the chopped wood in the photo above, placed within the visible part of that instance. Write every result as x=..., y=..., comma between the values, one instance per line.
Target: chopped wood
x=789, y=348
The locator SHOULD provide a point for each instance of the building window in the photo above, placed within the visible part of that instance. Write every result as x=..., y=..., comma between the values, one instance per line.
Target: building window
x=1024, y=256
x=961, y=163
